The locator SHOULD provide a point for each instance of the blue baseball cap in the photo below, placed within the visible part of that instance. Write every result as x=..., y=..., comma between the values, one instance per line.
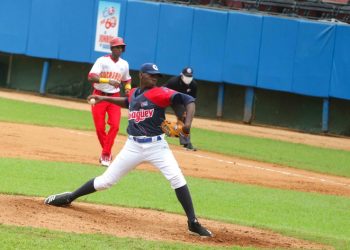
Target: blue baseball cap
x=150, y=68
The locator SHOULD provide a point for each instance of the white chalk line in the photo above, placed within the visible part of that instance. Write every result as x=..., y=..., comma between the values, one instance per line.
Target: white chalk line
x=266, y=169
x=79, y=133
x=245, y=165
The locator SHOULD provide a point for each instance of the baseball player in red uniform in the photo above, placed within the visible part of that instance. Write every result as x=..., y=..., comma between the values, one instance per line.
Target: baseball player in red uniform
x=107, y=76
x=145, y=143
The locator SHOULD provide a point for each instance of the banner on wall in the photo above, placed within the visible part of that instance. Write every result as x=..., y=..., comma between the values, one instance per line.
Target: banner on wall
x=107, y=25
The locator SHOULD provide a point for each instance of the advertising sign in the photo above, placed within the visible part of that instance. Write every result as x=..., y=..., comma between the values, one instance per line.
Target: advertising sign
x=107, y=25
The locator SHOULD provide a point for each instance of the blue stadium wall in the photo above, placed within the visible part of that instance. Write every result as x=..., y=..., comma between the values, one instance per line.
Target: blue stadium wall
x=251, y=67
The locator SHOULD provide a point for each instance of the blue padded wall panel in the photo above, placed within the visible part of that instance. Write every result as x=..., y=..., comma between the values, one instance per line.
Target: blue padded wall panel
x=340, y=80
x=208, y=44
x=45, y=23
x=242, y=49
x=278, y=44
x=75, y=40
x=123, y=13
x=14, y=24
x=313, y=58
x=174, y=38
x=141, y=33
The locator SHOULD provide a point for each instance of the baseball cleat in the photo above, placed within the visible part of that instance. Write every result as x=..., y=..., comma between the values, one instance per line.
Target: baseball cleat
x=190, y=147
x=105, y=160
x=197, y=229
x=59, y=200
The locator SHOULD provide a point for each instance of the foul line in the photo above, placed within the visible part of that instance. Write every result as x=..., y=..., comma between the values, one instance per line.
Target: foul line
x=78, y=133
x=266, y=169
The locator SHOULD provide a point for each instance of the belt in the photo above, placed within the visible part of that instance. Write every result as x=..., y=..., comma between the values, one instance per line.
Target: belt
x=99, y=92
x=106, y=94
x=140, y=139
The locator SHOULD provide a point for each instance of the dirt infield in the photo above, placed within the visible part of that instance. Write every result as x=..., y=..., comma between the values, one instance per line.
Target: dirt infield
x=136, y=223
x=20, y=141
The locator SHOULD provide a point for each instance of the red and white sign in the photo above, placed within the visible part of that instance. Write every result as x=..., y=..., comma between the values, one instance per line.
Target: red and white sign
x=107, y=26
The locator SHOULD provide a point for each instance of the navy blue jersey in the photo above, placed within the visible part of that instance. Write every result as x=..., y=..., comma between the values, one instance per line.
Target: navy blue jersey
x=147, y=110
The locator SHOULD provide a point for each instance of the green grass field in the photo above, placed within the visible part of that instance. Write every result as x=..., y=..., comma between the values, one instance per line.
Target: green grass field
x=317, y=217
x=284, y=153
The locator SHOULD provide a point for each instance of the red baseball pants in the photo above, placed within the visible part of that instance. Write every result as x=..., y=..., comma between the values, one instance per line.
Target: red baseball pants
x=99, y=112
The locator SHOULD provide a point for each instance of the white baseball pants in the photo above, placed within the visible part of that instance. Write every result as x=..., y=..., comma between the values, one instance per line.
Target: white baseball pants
x=132, y=154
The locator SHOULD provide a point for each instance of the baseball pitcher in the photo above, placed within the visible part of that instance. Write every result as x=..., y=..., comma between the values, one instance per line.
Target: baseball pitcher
x=145, y=143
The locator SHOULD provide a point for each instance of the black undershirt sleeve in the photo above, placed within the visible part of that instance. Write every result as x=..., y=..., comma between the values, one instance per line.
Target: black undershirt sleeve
x=127, y=102
x=180, y=98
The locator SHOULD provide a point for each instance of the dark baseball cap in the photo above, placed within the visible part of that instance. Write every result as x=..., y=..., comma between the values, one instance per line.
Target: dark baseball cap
x=188, y=71
x=150, y=68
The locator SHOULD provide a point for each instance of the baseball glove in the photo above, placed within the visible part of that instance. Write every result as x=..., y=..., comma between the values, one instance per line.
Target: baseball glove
x=173, y=129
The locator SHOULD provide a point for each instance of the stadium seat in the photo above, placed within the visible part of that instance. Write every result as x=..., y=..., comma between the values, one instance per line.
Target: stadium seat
x=278, y=6
x=331, y=10
x=316, y=10
x=232, y=4
x=343, y=14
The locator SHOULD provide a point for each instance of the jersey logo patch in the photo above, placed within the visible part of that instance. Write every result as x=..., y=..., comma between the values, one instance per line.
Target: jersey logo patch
x=144, y=104
x=140, y=115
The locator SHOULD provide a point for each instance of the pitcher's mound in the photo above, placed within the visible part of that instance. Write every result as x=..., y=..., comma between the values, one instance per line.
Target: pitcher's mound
x=137, y=223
